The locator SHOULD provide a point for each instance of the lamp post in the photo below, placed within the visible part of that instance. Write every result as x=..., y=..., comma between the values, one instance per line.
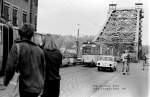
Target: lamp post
x=77, y=41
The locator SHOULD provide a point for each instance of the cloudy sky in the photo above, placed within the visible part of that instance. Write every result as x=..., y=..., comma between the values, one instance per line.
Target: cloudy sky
x=63, y=16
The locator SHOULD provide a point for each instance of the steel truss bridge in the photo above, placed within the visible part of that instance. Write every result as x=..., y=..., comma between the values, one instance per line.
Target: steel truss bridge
x=122, y=31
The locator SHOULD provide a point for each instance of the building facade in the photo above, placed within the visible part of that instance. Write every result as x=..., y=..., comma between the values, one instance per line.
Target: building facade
x=18, y=12
x=13, y=14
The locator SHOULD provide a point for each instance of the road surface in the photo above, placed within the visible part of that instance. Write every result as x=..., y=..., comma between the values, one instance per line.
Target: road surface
x=82, y=81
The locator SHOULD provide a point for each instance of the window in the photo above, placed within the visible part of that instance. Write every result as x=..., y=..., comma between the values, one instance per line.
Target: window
x=36, y=2
x=31, y=17
x=15, y=11
x=87, y=50
x=24, y=17
x=6, y=11
x=35, y=22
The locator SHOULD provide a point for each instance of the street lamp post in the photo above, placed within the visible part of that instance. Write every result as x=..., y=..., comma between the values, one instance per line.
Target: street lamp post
x=77, y=42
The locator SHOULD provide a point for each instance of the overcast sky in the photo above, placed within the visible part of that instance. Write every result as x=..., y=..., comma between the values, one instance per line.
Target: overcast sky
x=62, y=16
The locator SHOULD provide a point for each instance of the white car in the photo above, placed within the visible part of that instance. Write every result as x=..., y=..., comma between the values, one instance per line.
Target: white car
x=65, y=62
x=106, y=62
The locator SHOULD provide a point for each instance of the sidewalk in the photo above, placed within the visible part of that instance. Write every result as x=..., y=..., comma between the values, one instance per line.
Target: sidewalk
x=9, y=91
x=133, y=85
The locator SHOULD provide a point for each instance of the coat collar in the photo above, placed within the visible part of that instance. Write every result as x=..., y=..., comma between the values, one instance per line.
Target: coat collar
x=25, y=40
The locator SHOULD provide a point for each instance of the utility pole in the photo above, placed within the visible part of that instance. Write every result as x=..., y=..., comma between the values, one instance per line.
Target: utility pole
x=77, y=41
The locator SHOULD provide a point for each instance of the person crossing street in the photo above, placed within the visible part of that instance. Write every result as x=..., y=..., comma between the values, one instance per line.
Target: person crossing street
x=125, y=60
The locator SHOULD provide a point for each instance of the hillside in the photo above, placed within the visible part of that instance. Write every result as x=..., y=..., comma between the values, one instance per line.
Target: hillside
x=69, y=41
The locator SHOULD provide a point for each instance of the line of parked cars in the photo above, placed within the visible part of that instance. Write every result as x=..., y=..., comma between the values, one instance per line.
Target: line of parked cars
x=105, y=62
x=71, y=60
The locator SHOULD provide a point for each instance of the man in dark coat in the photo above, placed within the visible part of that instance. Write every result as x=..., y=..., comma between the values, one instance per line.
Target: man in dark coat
x=29, y=61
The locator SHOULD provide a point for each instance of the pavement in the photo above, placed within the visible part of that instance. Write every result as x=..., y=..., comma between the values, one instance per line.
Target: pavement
x=133, y=85
x=11, y=90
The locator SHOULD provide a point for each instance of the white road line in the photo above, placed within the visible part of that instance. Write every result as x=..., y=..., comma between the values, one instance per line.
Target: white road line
x=108, y=83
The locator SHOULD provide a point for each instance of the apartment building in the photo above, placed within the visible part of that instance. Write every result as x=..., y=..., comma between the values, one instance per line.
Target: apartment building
x=18, y=12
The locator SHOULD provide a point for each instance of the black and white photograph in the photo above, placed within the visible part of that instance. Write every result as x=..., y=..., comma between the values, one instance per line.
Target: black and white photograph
x=74, y=48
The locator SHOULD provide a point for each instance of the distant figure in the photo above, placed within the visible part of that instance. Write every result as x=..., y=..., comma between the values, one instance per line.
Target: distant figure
x=145, y=60
x=28, y=59
x=125, y=59
x=53, y=62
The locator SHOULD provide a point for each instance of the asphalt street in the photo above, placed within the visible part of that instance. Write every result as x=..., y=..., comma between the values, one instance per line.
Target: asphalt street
x=83, y=81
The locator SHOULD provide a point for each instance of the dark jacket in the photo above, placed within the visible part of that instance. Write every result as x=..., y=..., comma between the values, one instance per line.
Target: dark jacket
x=53, y=63
x=31, y=66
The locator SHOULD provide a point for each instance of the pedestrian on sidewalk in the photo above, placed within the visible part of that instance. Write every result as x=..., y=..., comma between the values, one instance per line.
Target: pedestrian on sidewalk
x=53, y=62
x=145, y=60
x=28, y=59
x=125, y=60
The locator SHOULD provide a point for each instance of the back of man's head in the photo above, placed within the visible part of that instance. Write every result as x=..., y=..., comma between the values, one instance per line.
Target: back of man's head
x=126, y=51
x=27, y=31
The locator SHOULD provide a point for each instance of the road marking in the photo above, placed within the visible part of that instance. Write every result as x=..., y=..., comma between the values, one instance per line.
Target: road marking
x=106, y=83
x=115, y=78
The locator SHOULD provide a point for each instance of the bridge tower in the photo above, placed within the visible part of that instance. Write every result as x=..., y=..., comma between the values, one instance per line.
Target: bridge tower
x=138, y=38
x=112, y=7
x=122, y=31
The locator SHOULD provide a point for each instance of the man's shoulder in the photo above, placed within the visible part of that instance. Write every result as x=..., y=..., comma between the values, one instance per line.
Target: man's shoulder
x=25, y=42
x=40, y=49
x=29, y=44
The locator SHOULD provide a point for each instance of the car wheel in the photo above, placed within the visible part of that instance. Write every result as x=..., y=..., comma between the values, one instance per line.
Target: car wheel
x=99, y=68
x=113, y=69
x=74, y=64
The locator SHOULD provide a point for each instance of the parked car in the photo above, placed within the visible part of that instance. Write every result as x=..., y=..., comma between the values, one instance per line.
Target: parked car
x=72, y=61
x=65, y=62
x=106, y=62
x=79, y=61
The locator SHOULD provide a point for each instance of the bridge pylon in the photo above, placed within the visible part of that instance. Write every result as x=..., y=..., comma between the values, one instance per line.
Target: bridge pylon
x=123, y=30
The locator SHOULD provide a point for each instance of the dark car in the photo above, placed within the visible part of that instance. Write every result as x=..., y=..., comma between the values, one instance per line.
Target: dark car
x=79, y=61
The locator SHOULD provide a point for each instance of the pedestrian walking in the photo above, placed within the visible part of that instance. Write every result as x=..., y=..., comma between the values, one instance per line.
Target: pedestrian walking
x=28, y=59
x=125, y=60
x=144, y=60
x=53, y=62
